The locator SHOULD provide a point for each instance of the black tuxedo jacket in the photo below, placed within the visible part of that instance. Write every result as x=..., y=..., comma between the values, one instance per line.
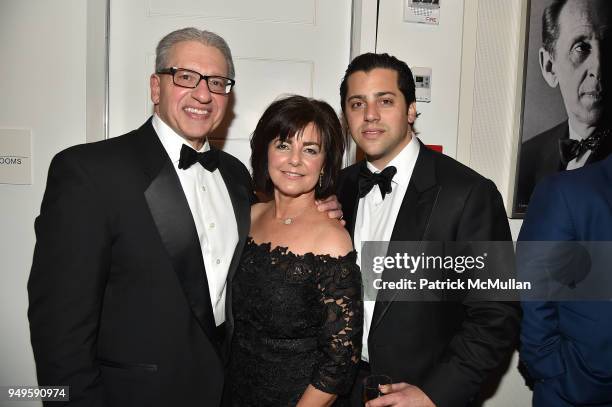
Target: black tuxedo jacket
x=445, y=348
x=119, y=304
x=540, y=158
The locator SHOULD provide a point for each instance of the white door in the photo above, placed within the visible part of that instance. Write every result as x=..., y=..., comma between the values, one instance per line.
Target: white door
x=279, y=47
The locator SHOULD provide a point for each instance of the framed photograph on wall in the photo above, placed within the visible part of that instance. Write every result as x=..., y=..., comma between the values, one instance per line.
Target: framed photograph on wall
x=564, y=123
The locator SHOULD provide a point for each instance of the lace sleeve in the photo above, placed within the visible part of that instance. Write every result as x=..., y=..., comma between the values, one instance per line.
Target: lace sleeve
x=339, y=342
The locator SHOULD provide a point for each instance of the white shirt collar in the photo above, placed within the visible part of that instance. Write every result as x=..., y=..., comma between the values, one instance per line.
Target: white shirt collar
x=573, y=134
x=171, y=141
x=404, y=162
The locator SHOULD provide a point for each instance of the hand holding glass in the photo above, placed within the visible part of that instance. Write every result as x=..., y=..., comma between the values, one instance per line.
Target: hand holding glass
x=371, y=386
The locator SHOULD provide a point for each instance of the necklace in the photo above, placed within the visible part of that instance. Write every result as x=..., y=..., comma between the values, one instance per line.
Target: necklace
x=290, y=219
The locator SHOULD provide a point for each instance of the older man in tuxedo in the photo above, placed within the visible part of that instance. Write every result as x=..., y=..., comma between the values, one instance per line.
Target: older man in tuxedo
x=567, y=345
x=575, y=56
x=135, y=243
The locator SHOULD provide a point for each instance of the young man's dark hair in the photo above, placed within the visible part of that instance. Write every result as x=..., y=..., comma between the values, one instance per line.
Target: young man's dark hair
x=369, y=61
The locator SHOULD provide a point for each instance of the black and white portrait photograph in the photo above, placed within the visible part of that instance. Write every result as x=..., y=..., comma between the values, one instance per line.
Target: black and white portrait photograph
x=565, y=123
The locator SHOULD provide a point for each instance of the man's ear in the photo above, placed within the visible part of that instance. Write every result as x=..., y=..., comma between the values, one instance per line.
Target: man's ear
x=155, y=85
x=412, y=113
x=547, y=65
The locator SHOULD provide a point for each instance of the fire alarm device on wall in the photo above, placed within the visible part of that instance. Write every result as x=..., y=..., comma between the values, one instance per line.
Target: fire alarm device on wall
x=422, y=83
x=422, y=11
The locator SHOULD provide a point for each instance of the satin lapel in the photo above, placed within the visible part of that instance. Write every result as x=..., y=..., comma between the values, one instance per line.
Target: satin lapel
x=174, y=222
x=414, y=215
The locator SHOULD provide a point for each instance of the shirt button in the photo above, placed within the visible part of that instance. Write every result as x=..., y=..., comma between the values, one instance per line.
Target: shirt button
x=204, y=188
x=218, y=261
x=211, y=225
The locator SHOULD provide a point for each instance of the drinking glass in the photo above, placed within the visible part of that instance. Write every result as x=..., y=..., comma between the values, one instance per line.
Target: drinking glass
x=371, y=385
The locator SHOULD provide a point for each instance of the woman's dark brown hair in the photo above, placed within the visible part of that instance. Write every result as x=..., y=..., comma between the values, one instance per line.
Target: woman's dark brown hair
x=288, y=117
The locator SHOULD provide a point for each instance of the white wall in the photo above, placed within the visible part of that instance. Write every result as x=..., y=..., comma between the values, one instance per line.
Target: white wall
x=42, y=77
x=437, y=47
x=491, y=89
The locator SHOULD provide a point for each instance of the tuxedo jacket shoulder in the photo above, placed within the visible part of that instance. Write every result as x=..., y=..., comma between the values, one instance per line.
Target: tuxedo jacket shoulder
x=138, y=153
x=445, y=200
x=119, y=302
x=584, y=193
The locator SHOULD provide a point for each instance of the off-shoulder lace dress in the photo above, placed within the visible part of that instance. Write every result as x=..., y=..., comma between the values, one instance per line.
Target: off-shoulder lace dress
x=298, y=321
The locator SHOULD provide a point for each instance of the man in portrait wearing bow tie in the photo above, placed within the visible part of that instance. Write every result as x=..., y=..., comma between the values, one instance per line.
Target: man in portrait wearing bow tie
x=437, y=353
x=575, y=57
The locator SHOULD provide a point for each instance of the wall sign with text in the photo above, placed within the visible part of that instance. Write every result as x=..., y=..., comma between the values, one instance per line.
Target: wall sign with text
x=15, y=157
x=422, y=11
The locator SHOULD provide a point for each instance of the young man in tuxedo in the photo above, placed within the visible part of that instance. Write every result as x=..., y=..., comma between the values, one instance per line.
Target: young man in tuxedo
x=437, y=353
x=575, y=57
x=567, y=345
x=137, y=242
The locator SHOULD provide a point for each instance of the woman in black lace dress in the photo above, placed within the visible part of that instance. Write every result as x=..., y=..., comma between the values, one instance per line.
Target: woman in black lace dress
x=296, y=297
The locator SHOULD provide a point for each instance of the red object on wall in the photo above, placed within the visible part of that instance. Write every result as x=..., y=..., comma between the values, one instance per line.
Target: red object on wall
x=434, y=147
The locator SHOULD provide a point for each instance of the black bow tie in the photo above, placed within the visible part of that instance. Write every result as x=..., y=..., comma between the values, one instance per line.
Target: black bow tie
x=570, y=149
x=367, y=180
x=209, y=159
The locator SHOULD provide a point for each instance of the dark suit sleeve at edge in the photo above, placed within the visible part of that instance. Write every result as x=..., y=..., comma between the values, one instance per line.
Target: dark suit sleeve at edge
x=66, y=285
x=548, y=218
x=490, y=330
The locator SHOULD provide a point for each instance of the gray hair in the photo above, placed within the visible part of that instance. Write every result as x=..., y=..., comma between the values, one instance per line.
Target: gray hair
x=192, y=34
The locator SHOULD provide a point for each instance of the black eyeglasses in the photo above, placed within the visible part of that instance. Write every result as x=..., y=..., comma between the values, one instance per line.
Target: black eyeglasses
x=190, y=79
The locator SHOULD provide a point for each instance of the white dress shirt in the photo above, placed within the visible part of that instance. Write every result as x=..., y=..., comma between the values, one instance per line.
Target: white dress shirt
x=577, y=162
x=376, y=217
x=212, y=212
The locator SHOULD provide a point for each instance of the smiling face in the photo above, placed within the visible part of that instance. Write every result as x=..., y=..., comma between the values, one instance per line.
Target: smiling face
x=191, y=113
x=378, y=117
x=579, y=60
x=294, y=165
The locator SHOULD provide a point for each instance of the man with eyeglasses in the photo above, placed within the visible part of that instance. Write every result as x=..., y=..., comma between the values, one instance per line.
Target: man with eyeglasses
x=136, y=239
x=134, y=244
